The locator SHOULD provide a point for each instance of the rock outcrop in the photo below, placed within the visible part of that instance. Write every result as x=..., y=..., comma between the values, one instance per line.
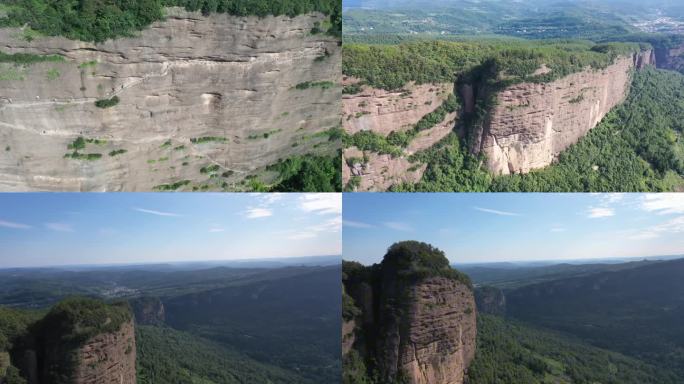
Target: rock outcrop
x=148, y=310
x=80, y=341
x=108, y=358
x=383, y=112
x=490, y=300
x=532, y=123
x=670, y=57
x=203, y=101
x=422, y=323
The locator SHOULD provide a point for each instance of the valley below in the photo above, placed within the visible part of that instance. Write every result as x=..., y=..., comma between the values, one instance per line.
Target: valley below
x=173, y=324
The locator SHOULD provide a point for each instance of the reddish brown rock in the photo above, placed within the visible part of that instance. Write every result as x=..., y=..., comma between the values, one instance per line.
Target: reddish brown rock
x=436, y=340
x=533, y=122
x=107, y=358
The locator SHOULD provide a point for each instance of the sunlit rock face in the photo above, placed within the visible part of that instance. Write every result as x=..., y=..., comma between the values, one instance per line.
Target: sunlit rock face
x=193, y=92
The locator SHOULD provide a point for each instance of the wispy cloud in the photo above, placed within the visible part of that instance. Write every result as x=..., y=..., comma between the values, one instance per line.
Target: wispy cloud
x=329, y=226
x=321, y=203
x=673, y=226
x=216, y=230
x=59, y=227
x=13, y=225
x=496, y=212
x=157, y=213
x=663, y=203
x=357, y=224
x=256, y=213
x=557, y=229
x=600, y=212
x=398, y=226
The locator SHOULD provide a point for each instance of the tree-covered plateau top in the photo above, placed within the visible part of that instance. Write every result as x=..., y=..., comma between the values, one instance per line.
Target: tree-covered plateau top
x=393, y=66
x=75, y=320
x=407, y=259
x=99, y=20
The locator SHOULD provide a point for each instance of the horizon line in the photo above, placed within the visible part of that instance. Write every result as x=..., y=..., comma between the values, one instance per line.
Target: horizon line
x=123, y=264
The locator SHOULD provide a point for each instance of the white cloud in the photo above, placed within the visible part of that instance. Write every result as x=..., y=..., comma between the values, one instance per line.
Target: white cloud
x=496, y=212
x=216, y=230
x=398, y=226
x=357, y=224
x=557, y=229
x=9, y=224
x=157, y=213
x=59, y=227
x=612, y=198
x=663, y=203
x=333, y=225
x=601, y=212
x=321, y=203
x=675, y=225
x=255, y=213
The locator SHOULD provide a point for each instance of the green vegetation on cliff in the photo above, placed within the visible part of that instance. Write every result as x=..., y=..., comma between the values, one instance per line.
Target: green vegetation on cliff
x=415, y=259
x=308, y=174
x=75, y=320
x=54, y=336
x=393, y=66
x=99, y=20
x=511, y=352
x=639, y=146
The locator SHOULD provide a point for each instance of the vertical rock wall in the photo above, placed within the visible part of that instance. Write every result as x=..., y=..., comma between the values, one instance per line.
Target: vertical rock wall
x=233, y=80
x=532, y=123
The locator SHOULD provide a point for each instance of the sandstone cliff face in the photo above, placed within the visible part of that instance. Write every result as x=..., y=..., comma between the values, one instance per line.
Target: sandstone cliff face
x=670, y=58
x=423, y=332
x=148, y=311
x=490, y=300
x=434, y=341
x=383, y=112
x=108, y=358
x=532, y=123
x=188, y=77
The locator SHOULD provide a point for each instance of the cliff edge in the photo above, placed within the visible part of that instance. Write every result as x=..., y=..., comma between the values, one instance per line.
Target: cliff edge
x=531, y=123
x=415, y=318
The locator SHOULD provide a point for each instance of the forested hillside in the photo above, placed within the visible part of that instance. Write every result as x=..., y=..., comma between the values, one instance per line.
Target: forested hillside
x=512, y=352
x=99, y=20
x=635, y=311
x=639, y=146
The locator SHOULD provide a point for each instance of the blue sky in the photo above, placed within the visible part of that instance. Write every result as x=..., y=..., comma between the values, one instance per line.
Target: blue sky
x=46, y=229
x=473, y=228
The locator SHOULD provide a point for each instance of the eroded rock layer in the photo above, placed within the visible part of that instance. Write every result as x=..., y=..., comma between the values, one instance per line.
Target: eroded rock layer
x=383, y=112
x=108, y=358
x=435, y=343
x=194, y=92
x=531, y=123
x=415, y=330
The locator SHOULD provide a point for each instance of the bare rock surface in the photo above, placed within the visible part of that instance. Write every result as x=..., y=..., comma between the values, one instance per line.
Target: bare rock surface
x=438, y=342
x=108, y=358
x=533, y=122
x=230, y=79
x=384, y=111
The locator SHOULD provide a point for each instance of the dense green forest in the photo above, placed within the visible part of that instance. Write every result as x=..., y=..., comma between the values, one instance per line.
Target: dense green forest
x=99, y=20
x=511, y=352
x=308, y=174
x=393, y=66
x=168, y=356
x=637, y=147
x=635, y=311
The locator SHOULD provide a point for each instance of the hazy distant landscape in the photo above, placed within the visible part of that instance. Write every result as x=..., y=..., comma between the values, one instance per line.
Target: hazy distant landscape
x=216, y=325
